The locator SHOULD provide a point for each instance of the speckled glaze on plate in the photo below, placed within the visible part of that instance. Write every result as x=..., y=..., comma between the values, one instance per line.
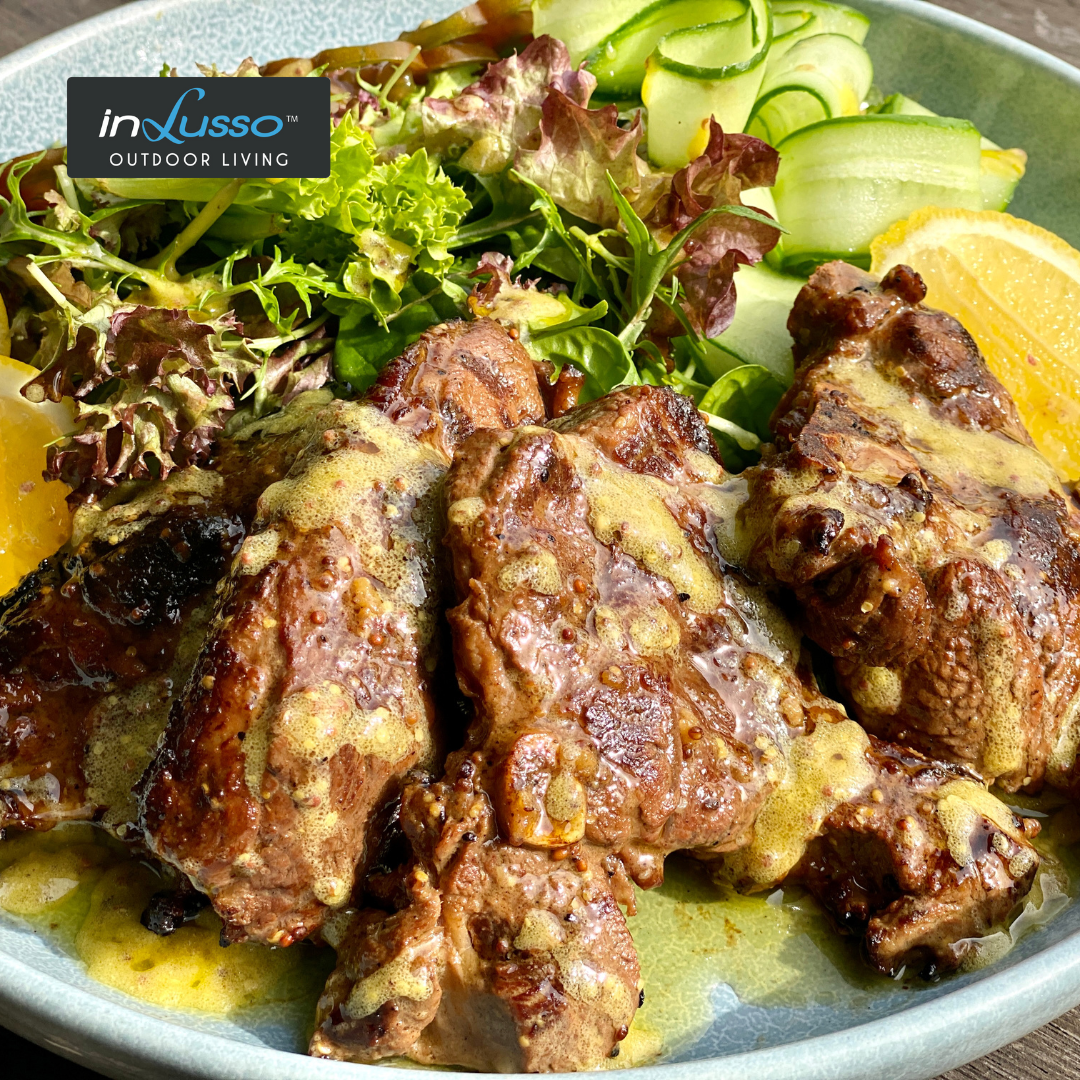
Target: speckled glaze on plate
x=1015, y=93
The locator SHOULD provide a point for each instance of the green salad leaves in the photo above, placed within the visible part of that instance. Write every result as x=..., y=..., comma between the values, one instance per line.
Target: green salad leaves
x=172, y=309
x=400, y=214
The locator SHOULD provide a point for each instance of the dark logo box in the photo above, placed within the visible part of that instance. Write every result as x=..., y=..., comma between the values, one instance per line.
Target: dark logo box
x=208, y=127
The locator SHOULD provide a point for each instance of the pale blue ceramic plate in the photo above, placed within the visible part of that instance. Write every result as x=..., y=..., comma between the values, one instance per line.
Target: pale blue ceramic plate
x=1019, y=96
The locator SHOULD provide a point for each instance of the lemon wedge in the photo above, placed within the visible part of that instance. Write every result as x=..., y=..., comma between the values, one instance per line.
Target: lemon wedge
x=34, y=518
x=1016, y=288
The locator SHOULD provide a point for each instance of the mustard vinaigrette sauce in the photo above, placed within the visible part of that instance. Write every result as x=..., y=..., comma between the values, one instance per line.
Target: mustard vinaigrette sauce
x=83, y=892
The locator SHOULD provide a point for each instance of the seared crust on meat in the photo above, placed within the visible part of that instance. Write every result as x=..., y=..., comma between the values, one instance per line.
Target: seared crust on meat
x=499, y=959
x=645, y=432
x=313, y=696
x=931, y=547
x=90, y=624
x=921, y=864
x=635, y=695
x=96, y=643
x=585, y=663
x=456, y=379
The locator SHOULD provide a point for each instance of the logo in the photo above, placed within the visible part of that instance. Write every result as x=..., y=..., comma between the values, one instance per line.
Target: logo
x=208, y=127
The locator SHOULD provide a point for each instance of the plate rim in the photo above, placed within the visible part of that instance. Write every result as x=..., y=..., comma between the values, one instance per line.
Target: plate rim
x=962, y=1016
x=976, y=1019
x=136, y=10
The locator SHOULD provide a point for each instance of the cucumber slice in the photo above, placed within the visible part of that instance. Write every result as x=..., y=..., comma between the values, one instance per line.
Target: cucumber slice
x=816, y=79
x=794, y=22
x=844, y=181
x=760, y=198
x=705, y=71
x=790, y=27
x=902, y=105
x=618, y=62
x=1001, y=169
x=581, y=25
x=758, y=334
x=831, y=18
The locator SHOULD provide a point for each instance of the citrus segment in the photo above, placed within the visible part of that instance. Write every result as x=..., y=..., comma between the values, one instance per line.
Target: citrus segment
x=34, y=518
x=1016, y=288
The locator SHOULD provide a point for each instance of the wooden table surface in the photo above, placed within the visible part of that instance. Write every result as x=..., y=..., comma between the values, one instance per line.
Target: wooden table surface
x=1052, y=1052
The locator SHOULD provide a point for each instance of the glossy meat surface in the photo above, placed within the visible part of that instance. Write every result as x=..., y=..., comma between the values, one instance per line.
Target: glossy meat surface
x=456, y=379
x=635, y=695
x=931, y=547
x=313, y=696
x=920, y=863
x=97, y=642
x=88, y=643
x=500, y=958
x=595, y=622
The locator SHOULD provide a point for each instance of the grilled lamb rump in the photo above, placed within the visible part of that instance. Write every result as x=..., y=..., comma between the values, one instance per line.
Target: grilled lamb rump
x=637, y=691
x=930, y=546
x=97, y=642
x=635, y=695
x=312, y=697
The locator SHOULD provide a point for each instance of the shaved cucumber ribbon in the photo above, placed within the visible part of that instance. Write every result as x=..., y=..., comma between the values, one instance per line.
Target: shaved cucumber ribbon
x=618, y=62
x=828, y=18
x=816, y=78
x=788, y=28
x=715, y=70
x=1002, y=169
x=741, y=62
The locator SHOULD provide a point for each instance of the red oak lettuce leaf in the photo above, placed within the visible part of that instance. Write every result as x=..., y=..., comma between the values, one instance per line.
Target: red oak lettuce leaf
x=493, y=116
x=575, y=151
x=153, y=389
x=730, y=165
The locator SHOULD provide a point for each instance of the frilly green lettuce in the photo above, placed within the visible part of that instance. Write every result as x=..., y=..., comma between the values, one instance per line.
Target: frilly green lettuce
x=400, y=213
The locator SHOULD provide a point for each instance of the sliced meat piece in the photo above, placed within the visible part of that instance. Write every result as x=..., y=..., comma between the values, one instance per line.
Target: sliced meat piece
x=90, y=644
x=401, y=952
x=498, y=959
x=595, y=620
x=919, y=862
x=456, y=379
x=313, y=697
x=931, y=547
x=96, y=643
x=659, y=434
x=635, y=695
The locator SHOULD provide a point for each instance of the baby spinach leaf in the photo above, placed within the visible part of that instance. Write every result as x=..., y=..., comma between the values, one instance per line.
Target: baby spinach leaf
x=592, y=350
x=738, y=406
x=365, y=344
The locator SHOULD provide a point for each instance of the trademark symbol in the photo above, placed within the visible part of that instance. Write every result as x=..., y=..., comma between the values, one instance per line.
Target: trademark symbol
x=292, y=119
